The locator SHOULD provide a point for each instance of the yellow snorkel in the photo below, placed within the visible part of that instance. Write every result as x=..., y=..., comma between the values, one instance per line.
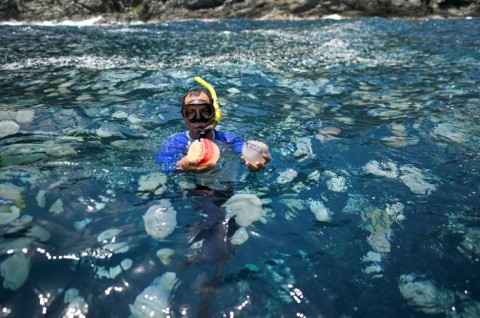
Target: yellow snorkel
x=218, y=112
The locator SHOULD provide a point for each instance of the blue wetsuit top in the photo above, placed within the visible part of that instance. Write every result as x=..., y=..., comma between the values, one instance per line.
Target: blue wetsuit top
x=176, y=147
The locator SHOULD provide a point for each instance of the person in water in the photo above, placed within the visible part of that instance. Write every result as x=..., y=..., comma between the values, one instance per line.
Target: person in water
x=200, y=116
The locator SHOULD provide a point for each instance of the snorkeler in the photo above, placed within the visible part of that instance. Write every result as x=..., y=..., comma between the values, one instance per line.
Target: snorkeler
x=201, y=113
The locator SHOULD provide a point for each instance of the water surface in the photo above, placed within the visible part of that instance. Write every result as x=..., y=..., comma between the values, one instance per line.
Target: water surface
x=376, y=123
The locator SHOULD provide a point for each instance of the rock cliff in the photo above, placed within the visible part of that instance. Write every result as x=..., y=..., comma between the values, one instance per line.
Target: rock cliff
x=165, y=10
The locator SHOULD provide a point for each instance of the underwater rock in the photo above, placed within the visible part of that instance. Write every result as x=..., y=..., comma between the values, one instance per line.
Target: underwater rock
x=247, y=208
x=287, y=176
x=414, y=179
x=160, y=219
x=164, y=255
x=15, y=270
x=382, y=169
x=240, y=236
x=321, y=213
x=77, y=307
x=423, y=295
x=8, y=127
x=153, y=302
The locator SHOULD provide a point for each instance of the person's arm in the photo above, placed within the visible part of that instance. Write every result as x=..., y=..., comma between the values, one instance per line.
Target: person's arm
x=172, y=151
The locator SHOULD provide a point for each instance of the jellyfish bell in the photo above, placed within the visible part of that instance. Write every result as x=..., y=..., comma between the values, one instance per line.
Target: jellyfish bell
x=204, y=151
x=253, y=151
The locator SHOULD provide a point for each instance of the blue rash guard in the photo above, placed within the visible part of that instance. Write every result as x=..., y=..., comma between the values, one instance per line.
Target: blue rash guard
x=176, y=147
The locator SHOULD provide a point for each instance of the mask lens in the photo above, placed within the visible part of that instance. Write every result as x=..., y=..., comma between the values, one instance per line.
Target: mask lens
x=195, y=113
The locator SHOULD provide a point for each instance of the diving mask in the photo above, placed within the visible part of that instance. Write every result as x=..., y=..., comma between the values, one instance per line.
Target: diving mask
x=198, y=110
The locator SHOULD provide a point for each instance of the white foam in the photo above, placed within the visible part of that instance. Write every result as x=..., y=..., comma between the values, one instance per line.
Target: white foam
x=86, y=22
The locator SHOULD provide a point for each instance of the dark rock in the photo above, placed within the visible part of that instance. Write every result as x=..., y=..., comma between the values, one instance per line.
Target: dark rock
x=163, y=10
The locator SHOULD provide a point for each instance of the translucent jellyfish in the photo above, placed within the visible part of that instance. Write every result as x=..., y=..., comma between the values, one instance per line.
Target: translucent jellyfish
x=415, y=179
x=57, y=150
x=108, y=234
x=247, y=208
x=114, y=271
x=152, y=182
x=240, y=236
x=382, y=169
x=304, y=148
x=319, y=210
x=164, y=255
x=379, y=242
x=56, y=207
x=77, y=307
x=120, y=114
x=287, y=176
x=396, y=211
x=423, y=295
x=9, y=191
x=450, y=132
x=336, y=183
x=470, y=246
x=25, y=116
x=40, y=198
x=327, y=134
x=8, y=127
x=11, y=215
x=15, y=270
x=252, y=151
x=160, y=219
x=154, y=300
x=117, y=248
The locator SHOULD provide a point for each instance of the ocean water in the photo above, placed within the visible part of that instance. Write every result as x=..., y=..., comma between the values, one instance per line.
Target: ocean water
x=370, y=206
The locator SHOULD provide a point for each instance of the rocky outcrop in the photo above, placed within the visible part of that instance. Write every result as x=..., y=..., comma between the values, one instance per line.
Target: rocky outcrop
x=164, y=10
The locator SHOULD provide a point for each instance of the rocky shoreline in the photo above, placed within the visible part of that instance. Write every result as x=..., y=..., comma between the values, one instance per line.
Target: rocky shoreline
x=125, y=11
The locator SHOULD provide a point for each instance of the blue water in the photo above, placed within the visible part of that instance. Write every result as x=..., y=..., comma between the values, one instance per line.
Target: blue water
x=378, y=119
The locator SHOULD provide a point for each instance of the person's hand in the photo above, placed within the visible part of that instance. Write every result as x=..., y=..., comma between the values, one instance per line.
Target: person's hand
x=257, y=165
x=189, y=165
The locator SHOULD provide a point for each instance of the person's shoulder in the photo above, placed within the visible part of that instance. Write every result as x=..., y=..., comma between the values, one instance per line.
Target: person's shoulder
x=224, y=135
x=178, y=138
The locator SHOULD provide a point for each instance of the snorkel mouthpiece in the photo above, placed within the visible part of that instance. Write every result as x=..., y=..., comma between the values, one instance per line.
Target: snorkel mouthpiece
x=203, y=132
x=218, y=112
